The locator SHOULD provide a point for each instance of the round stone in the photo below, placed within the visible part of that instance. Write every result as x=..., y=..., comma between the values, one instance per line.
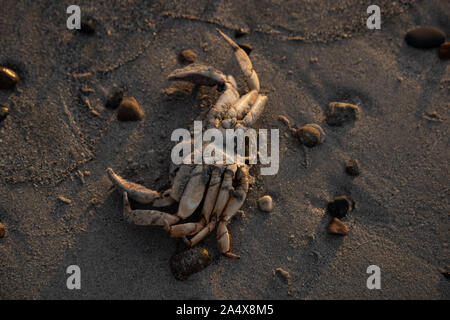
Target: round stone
x=311, y=135
x=241, y=32
x=8, y=78
x=444, y=50
x=129, y=110
x=339, y=113
x=188, y=56
x=265, y=203
x=339, y=207
x=2, y=230
x=4, y=111
x=352, y=167
x=425, y=37
x=190, y=261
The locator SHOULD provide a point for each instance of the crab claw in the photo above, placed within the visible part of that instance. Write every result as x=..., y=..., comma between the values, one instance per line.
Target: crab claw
x=199, y=74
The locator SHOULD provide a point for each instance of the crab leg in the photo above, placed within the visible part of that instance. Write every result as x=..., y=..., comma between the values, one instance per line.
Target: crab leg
x=237, y=198
x=136, y=191
x=244, y=63
x=255, y=111
x=212, y=193
x=146, y=217
x=224, y=193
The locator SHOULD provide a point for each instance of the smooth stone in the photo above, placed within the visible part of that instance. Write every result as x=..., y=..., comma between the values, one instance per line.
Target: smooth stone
x=444, y=50
x=8, y=78
x=190, y=261
x=339, y=113
x=425, y=37
x=352, y=167
x=265, y=203
x=2, y=230
x=115, y=99
x=337, y=227
x=246, y=47
x=241, y=32
x=129, y=110
x=188, y=56
x=339, y=207
x=311, y=135
x=4, y=112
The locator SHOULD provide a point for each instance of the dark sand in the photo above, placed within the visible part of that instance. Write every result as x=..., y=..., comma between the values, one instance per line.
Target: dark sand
x=52, y=142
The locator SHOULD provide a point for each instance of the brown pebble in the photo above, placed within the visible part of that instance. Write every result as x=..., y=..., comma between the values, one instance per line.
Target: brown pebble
x=4, y=112
x=282, y=274
x=2, y=230
x=311, y=135
x=339, y=113
x=337, y=227
x=241, y=32
x=8, y=78
x=444, y=50
x=265, y=203
x=352, y=167
x=129, y=110
x=190, y=261
x=340, y=206
x=188, y=56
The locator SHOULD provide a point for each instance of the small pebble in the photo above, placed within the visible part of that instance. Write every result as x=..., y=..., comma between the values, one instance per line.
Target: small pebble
x=339, y=207
x=444, y=50
x=2, y=230
x=283, y=274
x=188, y=56
x=337, y=227
x=8, y=78
x=352, y=167
x=129, y=110
x=446, y=274
x=64, y=199
x=241, y=32
x=4, y=112
x=88, y=25
x=265, y=204
x=311, y=135
x=425, y=37
x=246, y=47
x=185, y=263
x=339, y=113
x=115, y=99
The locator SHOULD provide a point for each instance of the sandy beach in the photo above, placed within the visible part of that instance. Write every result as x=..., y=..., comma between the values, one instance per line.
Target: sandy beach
x=59, y=139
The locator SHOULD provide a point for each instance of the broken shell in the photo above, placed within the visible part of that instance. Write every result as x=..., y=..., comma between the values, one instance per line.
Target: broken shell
x=4, y=111
x=339, y=207
x=2, y=230
x=352, y=167
x=185, y=263
x=337, y=227
x=265, y=203
x=311, y=135
x=8, y=78
x=129, y=110
x=188, y=56
x=339, y=113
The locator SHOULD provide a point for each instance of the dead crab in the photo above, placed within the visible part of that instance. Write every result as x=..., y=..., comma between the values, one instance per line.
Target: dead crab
x=223, y=188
